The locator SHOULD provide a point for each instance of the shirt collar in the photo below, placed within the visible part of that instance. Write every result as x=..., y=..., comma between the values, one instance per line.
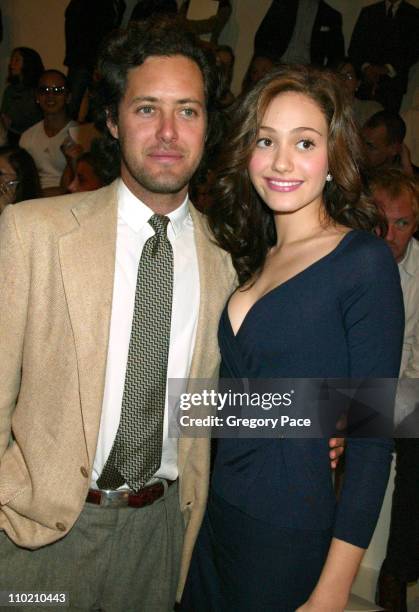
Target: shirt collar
x=395, y=6
x=136, y=214
x=409, y=263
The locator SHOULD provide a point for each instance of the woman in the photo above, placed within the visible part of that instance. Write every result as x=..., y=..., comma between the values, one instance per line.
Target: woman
x=362, y=109
x=19, y=109
x=18, y=177
x=87, y=175
x=45, y=139
x=319, y=297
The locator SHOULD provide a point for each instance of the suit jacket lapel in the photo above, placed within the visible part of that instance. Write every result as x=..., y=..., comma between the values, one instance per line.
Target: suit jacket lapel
x=87, y=256
x=216, y=278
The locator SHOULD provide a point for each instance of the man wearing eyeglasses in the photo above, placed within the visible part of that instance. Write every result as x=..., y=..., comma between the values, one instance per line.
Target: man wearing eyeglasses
x=45, y=139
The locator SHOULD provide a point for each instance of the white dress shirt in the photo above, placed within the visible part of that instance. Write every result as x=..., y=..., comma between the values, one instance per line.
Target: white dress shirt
x=133, y=230
x=409, y=277
x=407, y=396
x=393, y=6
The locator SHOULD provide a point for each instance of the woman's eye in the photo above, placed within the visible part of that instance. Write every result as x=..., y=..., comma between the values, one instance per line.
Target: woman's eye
x=264, y=143
x=305, y=144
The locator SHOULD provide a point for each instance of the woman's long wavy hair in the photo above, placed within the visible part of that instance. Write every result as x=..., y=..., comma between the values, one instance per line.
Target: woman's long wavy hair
x=241, y=222
x=32, y=67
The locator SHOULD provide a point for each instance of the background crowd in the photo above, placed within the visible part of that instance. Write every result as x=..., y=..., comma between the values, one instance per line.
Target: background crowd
x=51, y=143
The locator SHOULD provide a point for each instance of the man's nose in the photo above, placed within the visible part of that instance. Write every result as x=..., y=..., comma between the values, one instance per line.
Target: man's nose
x=167, y=130
x=391, y=232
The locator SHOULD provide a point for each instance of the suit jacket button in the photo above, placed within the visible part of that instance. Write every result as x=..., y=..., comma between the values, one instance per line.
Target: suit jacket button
x=84, y=472
x=60, y=526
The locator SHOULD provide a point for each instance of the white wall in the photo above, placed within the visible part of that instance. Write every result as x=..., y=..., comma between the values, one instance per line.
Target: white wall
x=248, y=14
x=40, y=24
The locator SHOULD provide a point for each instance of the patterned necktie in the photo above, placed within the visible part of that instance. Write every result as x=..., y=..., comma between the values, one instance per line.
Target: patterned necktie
x=137, y=448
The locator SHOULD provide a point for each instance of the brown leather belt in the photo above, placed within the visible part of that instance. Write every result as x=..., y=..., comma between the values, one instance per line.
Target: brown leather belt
x=124, y=497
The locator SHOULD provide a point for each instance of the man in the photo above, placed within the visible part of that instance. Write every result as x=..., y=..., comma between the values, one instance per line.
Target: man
x=303, y=32
x=78, y=303
x=92, y=289
x=398, y=197
x=383, y=135
x=385, y=45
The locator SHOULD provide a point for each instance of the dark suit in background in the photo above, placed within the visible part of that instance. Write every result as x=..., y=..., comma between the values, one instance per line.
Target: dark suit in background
x=379, y=40
x=87, y=23
x=274, y=33
x=148, y=8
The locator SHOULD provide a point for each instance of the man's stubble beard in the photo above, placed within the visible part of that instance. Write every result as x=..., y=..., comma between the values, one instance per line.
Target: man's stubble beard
x=164, y=183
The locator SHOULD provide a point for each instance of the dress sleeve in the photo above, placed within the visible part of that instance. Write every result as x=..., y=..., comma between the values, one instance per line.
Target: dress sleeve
x=373, y=314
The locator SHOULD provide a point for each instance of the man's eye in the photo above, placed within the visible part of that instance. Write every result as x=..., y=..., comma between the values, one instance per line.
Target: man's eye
x=401, y=223
x=264, y=143
x=305, y=144
x=189, y=112
x=145, y=110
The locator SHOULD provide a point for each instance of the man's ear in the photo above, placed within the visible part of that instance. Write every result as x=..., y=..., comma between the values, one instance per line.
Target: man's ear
x=112, y=126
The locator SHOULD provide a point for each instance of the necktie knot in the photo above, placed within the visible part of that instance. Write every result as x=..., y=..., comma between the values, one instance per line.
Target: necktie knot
x=391, y=11
x=159, y=225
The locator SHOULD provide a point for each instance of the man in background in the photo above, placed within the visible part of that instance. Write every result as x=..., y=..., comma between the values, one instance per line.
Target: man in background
x=397, y=195
x=300, y=31
x=87, y=23
x=383, y=135
x=384, y=45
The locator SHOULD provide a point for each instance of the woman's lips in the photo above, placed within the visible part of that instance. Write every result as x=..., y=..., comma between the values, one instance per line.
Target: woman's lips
x=283, y=186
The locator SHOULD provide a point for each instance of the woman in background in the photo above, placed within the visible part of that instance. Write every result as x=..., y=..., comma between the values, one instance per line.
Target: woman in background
x=319, y=298
x=87, y=175
x=19, y=109
x=363, y=109
x=18, y=177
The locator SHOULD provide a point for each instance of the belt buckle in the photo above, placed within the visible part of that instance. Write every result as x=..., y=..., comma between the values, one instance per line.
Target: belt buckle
x=114, y=499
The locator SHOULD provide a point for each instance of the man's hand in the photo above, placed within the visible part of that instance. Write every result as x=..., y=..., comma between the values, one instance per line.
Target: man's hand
x=337, y=448
x=372, y=74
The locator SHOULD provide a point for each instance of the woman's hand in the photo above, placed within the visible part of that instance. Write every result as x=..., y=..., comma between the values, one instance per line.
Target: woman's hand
x=337, y=448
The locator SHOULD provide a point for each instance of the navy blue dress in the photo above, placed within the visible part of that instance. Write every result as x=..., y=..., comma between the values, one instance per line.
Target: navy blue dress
x=272, y=510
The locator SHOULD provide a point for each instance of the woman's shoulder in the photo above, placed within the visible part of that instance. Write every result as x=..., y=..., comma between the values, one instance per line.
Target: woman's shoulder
x=363, y=247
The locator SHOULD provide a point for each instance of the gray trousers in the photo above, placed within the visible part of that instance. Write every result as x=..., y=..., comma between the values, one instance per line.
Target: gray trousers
x=113, y=560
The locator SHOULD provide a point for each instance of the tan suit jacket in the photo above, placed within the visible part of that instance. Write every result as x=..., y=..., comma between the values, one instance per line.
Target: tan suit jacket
x=57, y=259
